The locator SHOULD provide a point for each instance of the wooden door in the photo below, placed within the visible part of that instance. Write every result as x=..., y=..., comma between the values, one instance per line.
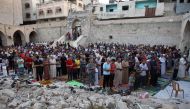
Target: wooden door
x=149, y=12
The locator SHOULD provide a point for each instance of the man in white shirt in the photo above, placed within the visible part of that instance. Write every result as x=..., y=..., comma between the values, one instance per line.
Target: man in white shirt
x=143, y=67
x=163, y=64
x=182, y=67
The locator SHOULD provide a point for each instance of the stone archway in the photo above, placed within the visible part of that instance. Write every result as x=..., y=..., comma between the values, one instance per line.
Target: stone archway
x=33, y=37
x=3, y=40
x=19, y=38
x=76, y=28
x=186, y=35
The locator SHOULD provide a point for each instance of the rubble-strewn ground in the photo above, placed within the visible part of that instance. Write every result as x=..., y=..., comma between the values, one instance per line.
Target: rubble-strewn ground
x=60, y=96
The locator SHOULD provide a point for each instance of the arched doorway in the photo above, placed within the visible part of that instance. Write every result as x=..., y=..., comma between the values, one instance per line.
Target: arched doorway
x=32, y=37
x=186, y=35
x=18, y=38
x=3, y=40
x=76, y=28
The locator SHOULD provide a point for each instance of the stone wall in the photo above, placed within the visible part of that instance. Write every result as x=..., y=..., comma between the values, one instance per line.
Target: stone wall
x=45, y=32
x=159, y=30
x=11, y=12
x=143, y=31
x=48, y=31
x=185, y=32
x=50, y=34
x=169, y=9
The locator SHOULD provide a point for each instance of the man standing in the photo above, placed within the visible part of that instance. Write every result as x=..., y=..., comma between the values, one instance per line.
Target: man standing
x=20, y=63
x=82, y=68
x=70, y=64
x=52, y=62
x=112, y=72
x=58, y=67
x=39, y=68
x=176, y=68
x=29, y=61
x=118, y=73
x=46, y=68
x=182, y=67
x=98, y=62
x=106, y=74
x=77, y=62
x=153, y=71
x=144, y=68
x=163, y=64
x=63, y=65
x=103, y=60
x=125, y=71
x=91, y=66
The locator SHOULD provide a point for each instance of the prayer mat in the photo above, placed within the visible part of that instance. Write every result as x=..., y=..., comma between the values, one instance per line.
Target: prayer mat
x=186, y=79
x=166, y=76
x=45, y=82
x=75, y=83
x=162, y=83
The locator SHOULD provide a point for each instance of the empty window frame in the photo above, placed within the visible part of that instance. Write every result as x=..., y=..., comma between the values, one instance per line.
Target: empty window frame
x=27, y=5
x=101, y=9
x=58, y=10
x=111, y=10
x=41, y=12
x=28, y=15
x=49, y=11
x=181, y=1
x=125, y=8
x=80, y=5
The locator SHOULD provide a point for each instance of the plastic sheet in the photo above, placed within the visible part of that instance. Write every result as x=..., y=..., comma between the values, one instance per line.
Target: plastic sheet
x=75, y=83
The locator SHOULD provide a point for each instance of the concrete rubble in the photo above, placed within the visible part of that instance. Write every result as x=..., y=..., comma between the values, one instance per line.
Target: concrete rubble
x=61, y=97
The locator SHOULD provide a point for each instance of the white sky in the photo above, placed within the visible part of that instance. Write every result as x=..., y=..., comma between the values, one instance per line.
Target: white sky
x=105, y=1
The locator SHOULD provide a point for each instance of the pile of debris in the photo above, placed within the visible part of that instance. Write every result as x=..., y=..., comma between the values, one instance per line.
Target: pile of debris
x=60, y=95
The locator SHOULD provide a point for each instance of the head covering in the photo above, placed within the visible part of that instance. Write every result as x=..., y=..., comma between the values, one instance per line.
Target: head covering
x=108, y=59
x=113, y=58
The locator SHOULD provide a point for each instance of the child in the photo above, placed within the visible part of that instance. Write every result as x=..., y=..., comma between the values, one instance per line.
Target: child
x=132, y=81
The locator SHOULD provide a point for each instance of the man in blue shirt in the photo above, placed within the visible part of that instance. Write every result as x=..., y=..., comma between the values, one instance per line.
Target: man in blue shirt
x=106, y=73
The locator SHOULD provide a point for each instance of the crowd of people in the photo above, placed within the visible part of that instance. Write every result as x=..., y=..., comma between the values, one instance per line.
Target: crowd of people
x=115, y=64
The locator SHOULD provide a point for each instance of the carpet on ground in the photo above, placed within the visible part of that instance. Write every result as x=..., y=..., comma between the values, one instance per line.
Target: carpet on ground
x=186, y=79
x=46, y=82
x=162, y=83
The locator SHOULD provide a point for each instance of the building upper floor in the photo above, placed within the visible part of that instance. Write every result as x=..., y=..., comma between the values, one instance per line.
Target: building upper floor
x=58, y=8
x=132, y=8
x=29, y=10
x=182, y=6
